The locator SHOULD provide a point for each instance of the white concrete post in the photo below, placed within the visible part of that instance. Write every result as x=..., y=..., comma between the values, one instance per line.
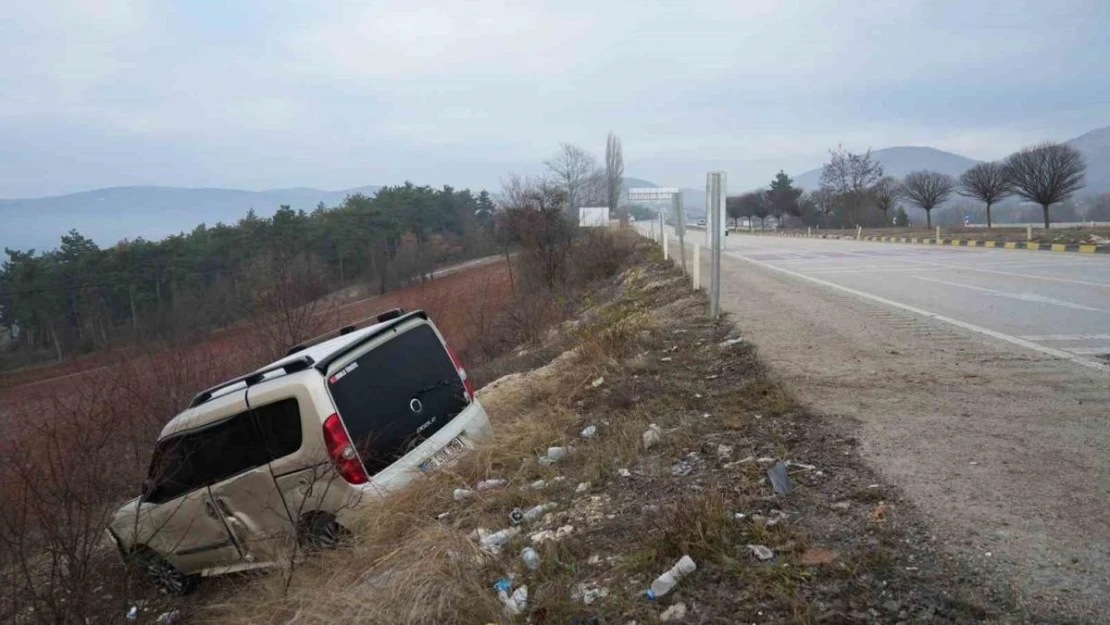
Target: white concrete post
x=859, y=232
x=666, y=255
x=1028, y=233
x=809, y=232
x=697, y=266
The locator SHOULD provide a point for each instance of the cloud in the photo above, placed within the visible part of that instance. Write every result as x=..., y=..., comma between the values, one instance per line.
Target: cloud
x=269, y=94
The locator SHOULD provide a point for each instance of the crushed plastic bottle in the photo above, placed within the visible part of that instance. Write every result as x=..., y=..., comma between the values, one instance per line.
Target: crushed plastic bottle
x=491, y=484
x=517, y=602
x=557, y=453
x=589, y=432
x=536, y=512
x=665, y=582
x=531, y=558
x=495, y=541
x=462, y=494
x=651, y=436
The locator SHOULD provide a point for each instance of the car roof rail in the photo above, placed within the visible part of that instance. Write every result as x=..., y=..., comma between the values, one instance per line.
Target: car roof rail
x=254, y=377
x=390, y=323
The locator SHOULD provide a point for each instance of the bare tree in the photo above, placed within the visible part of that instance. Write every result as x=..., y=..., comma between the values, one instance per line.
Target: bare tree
x=756, y=204
x=927, y=189
x=614, y=172
x=884, y=195
x=986, y=182
x=576, y=170
x=1046, y=173
x=824, y=202
x=850, y=176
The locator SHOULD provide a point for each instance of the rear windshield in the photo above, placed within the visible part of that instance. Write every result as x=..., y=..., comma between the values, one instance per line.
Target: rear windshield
x=397, y=395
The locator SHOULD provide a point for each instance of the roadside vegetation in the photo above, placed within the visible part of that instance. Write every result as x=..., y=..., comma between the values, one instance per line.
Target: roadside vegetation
x=1037, y=184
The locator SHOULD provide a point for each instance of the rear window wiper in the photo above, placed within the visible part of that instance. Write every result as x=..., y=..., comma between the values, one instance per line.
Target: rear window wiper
x=443, y=382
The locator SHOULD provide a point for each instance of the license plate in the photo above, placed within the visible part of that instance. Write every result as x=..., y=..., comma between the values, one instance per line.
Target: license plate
x=444, y=455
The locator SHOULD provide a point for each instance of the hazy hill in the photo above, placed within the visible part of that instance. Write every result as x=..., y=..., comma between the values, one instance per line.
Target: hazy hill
x=1095, y=146
x=899, y=161
x=109, y=215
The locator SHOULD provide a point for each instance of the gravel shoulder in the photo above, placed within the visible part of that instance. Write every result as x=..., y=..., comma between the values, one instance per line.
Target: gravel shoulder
x=1005, y=451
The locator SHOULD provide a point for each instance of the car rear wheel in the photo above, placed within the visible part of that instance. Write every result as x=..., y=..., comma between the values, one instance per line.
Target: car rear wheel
x=321, y=531
x=165, y=575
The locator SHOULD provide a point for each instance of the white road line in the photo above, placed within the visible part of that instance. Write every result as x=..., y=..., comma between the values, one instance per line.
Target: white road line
x=1022, y=297
x=1056, y=353
x=967, y=268
x=1087, y=351
x=1067, y=337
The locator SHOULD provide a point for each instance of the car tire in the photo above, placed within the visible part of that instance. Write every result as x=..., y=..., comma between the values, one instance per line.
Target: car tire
x=167, y=577
x=321, y=531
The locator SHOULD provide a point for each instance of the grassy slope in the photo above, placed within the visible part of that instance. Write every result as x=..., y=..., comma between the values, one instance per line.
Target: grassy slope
x=865, y=559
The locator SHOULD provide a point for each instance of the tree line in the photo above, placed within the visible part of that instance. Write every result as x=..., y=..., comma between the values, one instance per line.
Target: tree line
x=854, y=184
x=80, y=297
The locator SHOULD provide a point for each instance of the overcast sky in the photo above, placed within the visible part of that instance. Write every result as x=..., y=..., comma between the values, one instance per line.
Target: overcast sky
x=272, y=94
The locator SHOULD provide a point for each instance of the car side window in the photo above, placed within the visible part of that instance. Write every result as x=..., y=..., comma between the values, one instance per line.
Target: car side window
x=224, y=449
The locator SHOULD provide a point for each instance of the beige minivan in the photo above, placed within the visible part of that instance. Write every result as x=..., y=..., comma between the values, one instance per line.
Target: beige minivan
x=286, y=455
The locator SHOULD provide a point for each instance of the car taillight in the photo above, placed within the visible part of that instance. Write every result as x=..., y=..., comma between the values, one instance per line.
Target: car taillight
x=342, y=452
x=462, y=372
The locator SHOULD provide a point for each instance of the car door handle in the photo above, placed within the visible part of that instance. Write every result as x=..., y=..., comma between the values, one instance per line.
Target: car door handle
x=223, y=506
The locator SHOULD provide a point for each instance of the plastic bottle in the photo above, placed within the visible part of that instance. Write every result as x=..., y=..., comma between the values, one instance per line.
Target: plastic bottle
x=531, y=558
x=491, y=484
x=493, y=542
x=535, y=512
x=462, y=493
x=557, y=453
x=665, y=582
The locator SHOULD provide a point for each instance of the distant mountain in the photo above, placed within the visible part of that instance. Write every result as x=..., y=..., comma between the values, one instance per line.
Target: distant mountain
x=1095, y=146
x=109, y=215
x=899, y=161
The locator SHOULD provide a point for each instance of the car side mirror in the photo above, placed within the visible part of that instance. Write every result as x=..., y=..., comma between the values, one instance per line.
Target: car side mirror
x=147, y=489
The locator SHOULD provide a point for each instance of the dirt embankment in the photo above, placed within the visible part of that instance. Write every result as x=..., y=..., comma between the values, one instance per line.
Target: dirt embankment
x=839, y=547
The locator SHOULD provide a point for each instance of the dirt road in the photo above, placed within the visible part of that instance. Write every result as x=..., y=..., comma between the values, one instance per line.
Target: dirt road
x=1005, y=449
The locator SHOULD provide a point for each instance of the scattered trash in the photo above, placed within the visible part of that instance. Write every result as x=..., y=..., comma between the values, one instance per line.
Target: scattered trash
x=973, y=463
x=516, y=516
x=624, y=473
x=598, y=382
x=587, y=594
x=133, y=613
x=651, y=436
x=665, y=582
x=546, y=535
x=761, y=552
x=731, y=342
x=737, y=463
x=442, y=515
x=537, y=485
x=841, y=505
x=564, y=531
x=462, y=494
x=173, y=617
x=517, y=602
x=531, y=558
x=557, y=453
x=493, y=543
x=582, y=487
x=878, y=513
x=676, y=612
x=594, y=560
x=780, y=479
x=872, y=485
x=766, y=460
x=712, y=377
x=800, y=465
x=739, y=516
x=536, y=512
x=816, y=556
x=681, y=468
x=491, y=484
x=666, y=359
x=589, y=432
x=724, y=451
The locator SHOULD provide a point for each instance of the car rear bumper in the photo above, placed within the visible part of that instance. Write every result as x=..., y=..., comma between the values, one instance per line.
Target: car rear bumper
x=470, y=426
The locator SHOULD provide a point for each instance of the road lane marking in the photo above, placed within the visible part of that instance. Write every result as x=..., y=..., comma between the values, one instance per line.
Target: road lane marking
x=1067, y=337
x=1056, y=353
x=1023, y=297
